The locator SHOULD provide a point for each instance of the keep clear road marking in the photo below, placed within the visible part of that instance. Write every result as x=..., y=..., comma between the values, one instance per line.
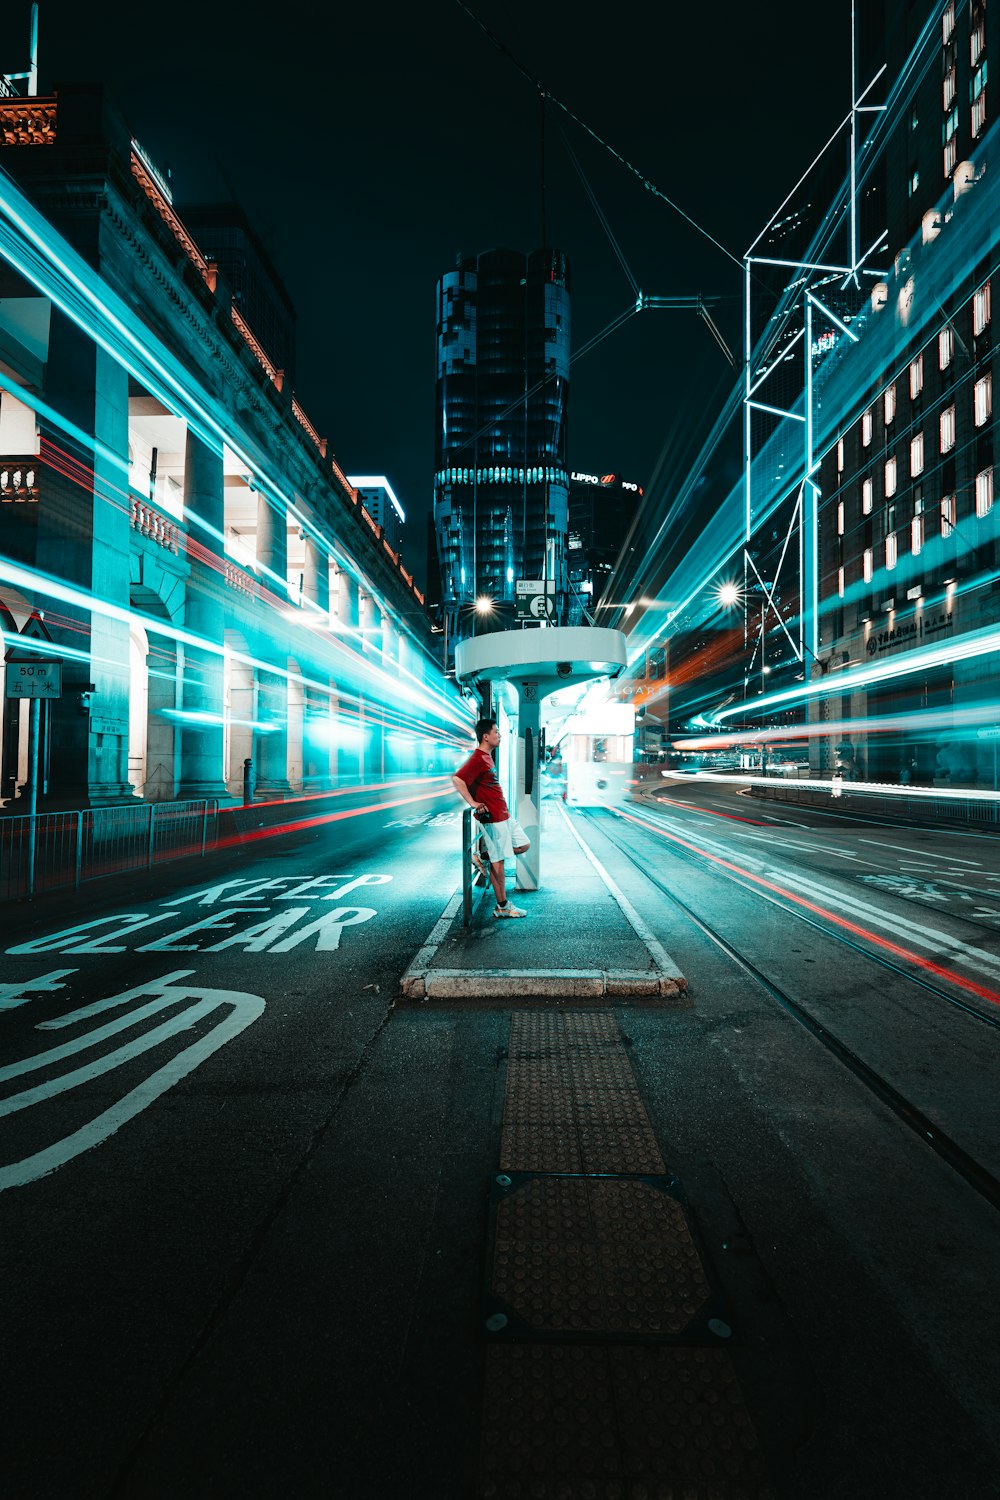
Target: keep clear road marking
x=244, y=1009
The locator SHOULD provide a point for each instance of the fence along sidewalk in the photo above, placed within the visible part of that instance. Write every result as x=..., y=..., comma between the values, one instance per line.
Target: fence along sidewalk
x=71, y=847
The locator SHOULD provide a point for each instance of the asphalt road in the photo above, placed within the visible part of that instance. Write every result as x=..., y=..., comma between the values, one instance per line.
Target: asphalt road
x=244, y=1196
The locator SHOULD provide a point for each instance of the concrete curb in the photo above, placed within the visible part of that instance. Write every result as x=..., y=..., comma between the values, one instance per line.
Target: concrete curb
x=501, y=984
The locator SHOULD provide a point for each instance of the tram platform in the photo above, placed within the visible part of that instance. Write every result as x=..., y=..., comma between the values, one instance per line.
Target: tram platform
x=581, y=936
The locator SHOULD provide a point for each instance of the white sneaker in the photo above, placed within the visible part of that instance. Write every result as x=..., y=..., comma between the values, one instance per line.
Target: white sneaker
x=510, y=910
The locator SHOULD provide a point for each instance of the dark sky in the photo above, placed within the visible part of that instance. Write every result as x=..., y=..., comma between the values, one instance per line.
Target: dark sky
x=371, y=143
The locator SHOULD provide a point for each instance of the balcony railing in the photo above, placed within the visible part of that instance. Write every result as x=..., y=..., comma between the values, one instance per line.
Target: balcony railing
x=18, y=479
x=28, y=122
x=149, y=522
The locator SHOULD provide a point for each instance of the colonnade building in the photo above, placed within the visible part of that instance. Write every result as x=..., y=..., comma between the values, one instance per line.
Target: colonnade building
x=173, y=528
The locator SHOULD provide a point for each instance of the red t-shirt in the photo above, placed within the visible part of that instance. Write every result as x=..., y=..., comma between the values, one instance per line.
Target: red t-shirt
x=479, y=775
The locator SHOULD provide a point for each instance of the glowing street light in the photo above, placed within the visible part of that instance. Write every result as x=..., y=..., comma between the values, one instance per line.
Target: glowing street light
x=484, y=605
x=728, y=594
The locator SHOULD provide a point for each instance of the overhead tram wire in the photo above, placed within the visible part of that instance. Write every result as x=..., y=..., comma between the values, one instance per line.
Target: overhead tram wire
x=613, y=242
x=629, y=166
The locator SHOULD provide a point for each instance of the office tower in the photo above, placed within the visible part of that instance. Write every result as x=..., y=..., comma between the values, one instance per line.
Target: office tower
x=225, y=235
x=379, y=500
x=602, y=508
x=501, y=485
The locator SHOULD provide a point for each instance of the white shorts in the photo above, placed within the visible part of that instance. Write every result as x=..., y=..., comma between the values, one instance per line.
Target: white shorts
x=500, y=839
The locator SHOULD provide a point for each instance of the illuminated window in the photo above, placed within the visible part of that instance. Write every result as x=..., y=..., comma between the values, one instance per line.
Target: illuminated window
x=916, y=376
x=866, y=497
x=840, y=519
x=867, y=564
x=984, y=492
x=890, y=551
x=977, y=42
x=946, y=347
x=914, y=180
x=840, y=455
x=978, y=114
x=948, y=429
x=949, y=514
x=917, y=528
x=917, y=454
x=890, y=477
x=889, y=405
x=950, y=127
x=948, y=23
x=981, y=309
x=982, y=400
x=866, y=429
x=949, y=89
x=840, y=582
x=950, y=156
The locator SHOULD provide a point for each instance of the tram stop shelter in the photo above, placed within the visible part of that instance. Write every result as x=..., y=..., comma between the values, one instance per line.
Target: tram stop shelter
x=536, y=663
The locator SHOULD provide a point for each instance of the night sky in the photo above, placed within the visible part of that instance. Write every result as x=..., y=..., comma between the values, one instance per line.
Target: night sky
x=371, y=144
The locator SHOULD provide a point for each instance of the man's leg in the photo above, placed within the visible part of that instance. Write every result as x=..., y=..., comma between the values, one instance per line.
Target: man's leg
x=498, y=880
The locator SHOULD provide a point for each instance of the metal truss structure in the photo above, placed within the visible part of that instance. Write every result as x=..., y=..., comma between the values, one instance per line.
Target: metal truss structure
x=818, y=301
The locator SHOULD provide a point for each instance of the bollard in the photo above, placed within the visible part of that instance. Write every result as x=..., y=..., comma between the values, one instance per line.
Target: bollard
x=249, y=782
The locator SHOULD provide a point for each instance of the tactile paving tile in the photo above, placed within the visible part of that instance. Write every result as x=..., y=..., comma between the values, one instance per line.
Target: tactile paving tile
x=572, y=1104
x=579, y=1256
x=616, y=1423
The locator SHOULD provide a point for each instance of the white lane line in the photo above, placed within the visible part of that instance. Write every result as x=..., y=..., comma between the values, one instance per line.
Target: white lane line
x=930, y=938
x=927, y=937
x=643, y=932
x=435, y=938
x=882, y=844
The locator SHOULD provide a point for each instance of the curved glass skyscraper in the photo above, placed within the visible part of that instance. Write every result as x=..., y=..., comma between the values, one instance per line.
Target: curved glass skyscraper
x=501, y=486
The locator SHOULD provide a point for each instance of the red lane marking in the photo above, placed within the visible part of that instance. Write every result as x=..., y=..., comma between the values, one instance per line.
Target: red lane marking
x=334, y=817
x=872, y=937
x=688, y=807
x=345, y=791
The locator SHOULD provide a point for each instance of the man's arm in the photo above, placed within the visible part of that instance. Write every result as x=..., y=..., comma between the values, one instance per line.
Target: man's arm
x=466, y=796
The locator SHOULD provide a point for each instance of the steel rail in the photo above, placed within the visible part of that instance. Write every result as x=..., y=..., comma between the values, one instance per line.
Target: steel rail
x=965, y=1166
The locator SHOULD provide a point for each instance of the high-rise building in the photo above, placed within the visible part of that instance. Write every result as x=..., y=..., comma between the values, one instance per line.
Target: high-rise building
x=379, y=500
x=225, y=235
x=602, y=508
x=501, y=486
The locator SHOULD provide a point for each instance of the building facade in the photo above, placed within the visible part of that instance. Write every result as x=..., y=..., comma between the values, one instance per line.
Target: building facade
x=379, y=499
x=172, y=530
x=501, y=485
x=602, y=508
x=908, y=530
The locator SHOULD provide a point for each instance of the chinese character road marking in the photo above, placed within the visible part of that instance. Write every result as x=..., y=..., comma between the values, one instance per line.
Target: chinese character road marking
x=243, y=1009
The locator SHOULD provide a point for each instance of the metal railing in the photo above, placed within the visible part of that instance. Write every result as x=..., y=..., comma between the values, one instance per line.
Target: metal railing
x=70, y=847
x=906, y=807
x=466, y=866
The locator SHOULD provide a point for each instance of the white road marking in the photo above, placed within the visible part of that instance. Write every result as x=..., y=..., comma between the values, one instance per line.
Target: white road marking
x=245, y=1009
x=882, y=844
x=641, y=929
x=21, y=992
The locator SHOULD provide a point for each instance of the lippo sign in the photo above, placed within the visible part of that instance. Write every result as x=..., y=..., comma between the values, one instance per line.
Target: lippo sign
x=250, y=916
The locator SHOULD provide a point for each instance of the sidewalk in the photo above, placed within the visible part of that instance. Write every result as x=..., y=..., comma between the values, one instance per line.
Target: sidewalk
x=581, y=936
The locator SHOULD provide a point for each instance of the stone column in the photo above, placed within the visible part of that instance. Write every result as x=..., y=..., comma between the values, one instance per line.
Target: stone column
x=83, y=538
x=271, y=742
x=316, y=577
x=272, y=547
x=202, y=691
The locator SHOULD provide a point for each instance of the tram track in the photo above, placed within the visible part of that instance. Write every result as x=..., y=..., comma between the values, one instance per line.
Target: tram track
x=967, y=1167
x=827, y=930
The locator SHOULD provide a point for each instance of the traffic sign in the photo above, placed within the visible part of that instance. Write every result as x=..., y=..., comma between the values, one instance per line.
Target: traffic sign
x=534, y=599
x=33, y=679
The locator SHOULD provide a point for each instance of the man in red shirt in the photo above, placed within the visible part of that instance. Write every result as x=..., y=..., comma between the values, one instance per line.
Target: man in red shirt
x=476, y=783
